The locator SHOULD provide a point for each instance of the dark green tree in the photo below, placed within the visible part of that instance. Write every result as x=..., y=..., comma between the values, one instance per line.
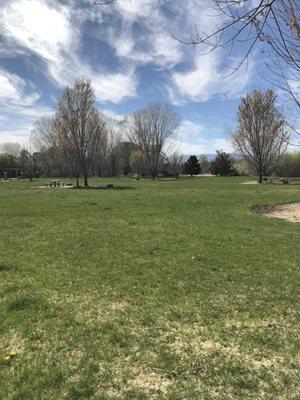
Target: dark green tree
x=192, y=166
x=222, y=164
x=8, y=161
x=25, y=162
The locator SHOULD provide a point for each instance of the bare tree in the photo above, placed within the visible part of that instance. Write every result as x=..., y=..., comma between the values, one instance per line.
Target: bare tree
x=48, y=138
x=151, y=129
x=44, y=134
x=204, y=164
x=137, y=162
x=11, y=148
x=262, y=136
x=80, y=126
x=75, y=134
x=113, y=152
x=175, y=164
x=275, y=23
x=26, y=163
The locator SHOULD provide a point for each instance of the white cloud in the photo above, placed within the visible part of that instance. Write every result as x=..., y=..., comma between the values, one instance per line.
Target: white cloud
x=112, y=115
x=167, y=51
x=31, y=112
x=206, y=146
x=143, y=35
x=139, y=34
x=14, y=90
x=10, y=87
x=190, y=130
x=192, y=138
x=132, y=9
x=196, y=82
x=158, y=49
x=114, y=87
x=222, y=144
x=16, y=136
x=52, y=34
x=208, y=79
x=18, y=100
x=37, y=26
x=17, y=122
x=189, y=138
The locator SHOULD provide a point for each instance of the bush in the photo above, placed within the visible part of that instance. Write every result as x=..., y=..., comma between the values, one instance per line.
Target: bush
x=223, y=165
x=289, y=165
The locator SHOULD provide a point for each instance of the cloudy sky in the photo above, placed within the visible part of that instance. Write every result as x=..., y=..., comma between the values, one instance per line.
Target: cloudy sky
x=129, y=51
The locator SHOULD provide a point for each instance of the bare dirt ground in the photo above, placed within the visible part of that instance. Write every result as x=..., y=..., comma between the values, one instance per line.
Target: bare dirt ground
x=249, y=183
x=292, y=181
x=48, y=187
x=289, y=212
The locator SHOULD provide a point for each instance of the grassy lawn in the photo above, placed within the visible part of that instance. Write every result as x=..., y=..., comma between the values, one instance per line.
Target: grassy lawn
x=164, y=290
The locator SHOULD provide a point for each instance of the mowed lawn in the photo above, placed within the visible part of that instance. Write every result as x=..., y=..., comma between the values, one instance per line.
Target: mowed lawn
x=163, y=290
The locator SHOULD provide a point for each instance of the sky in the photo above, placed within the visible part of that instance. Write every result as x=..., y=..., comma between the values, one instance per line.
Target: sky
x=131, y=52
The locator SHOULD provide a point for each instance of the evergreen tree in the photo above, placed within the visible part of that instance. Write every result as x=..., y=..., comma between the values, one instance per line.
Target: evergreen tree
x=223, y=165
x=191, y=166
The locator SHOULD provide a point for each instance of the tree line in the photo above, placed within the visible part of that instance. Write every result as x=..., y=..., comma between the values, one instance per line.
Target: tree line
x=79, y=141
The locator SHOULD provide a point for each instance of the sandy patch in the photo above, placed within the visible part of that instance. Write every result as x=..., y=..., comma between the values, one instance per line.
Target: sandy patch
x=249, y=183
x=48, y=187
x=198, y=176
x=289, y=212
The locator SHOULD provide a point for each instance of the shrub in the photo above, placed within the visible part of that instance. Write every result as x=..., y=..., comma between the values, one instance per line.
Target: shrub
x=223, y=165
x=289, y=165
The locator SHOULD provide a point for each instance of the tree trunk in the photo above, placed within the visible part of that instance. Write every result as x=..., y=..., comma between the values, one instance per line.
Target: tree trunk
x=153, y=174
x=77, y=181
x=84, y=171
x=260, y=176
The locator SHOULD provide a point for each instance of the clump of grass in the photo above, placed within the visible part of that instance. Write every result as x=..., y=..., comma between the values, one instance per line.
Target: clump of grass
x=24, y=302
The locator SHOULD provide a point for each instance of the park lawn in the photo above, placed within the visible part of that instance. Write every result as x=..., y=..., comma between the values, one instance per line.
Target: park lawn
x=163, y=290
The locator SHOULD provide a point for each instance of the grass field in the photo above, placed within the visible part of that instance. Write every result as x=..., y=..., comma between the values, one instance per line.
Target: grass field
x=163, y=290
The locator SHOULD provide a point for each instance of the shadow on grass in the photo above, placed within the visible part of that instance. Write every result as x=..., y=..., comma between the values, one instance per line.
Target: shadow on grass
x=103, y=188
x=7, y=267
x=23, y=302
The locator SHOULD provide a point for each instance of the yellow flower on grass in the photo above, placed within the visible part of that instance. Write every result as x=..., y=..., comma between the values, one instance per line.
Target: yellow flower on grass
x=12, y=354
x=195, y=257
x=7, y=358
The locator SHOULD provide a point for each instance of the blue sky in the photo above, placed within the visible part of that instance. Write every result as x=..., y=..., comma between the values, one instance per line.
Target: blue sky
x=129, y=52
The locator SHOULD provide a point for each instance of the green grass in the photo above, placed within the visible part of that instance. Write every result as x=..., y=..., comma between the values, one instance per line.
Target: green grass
x=101, y=298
